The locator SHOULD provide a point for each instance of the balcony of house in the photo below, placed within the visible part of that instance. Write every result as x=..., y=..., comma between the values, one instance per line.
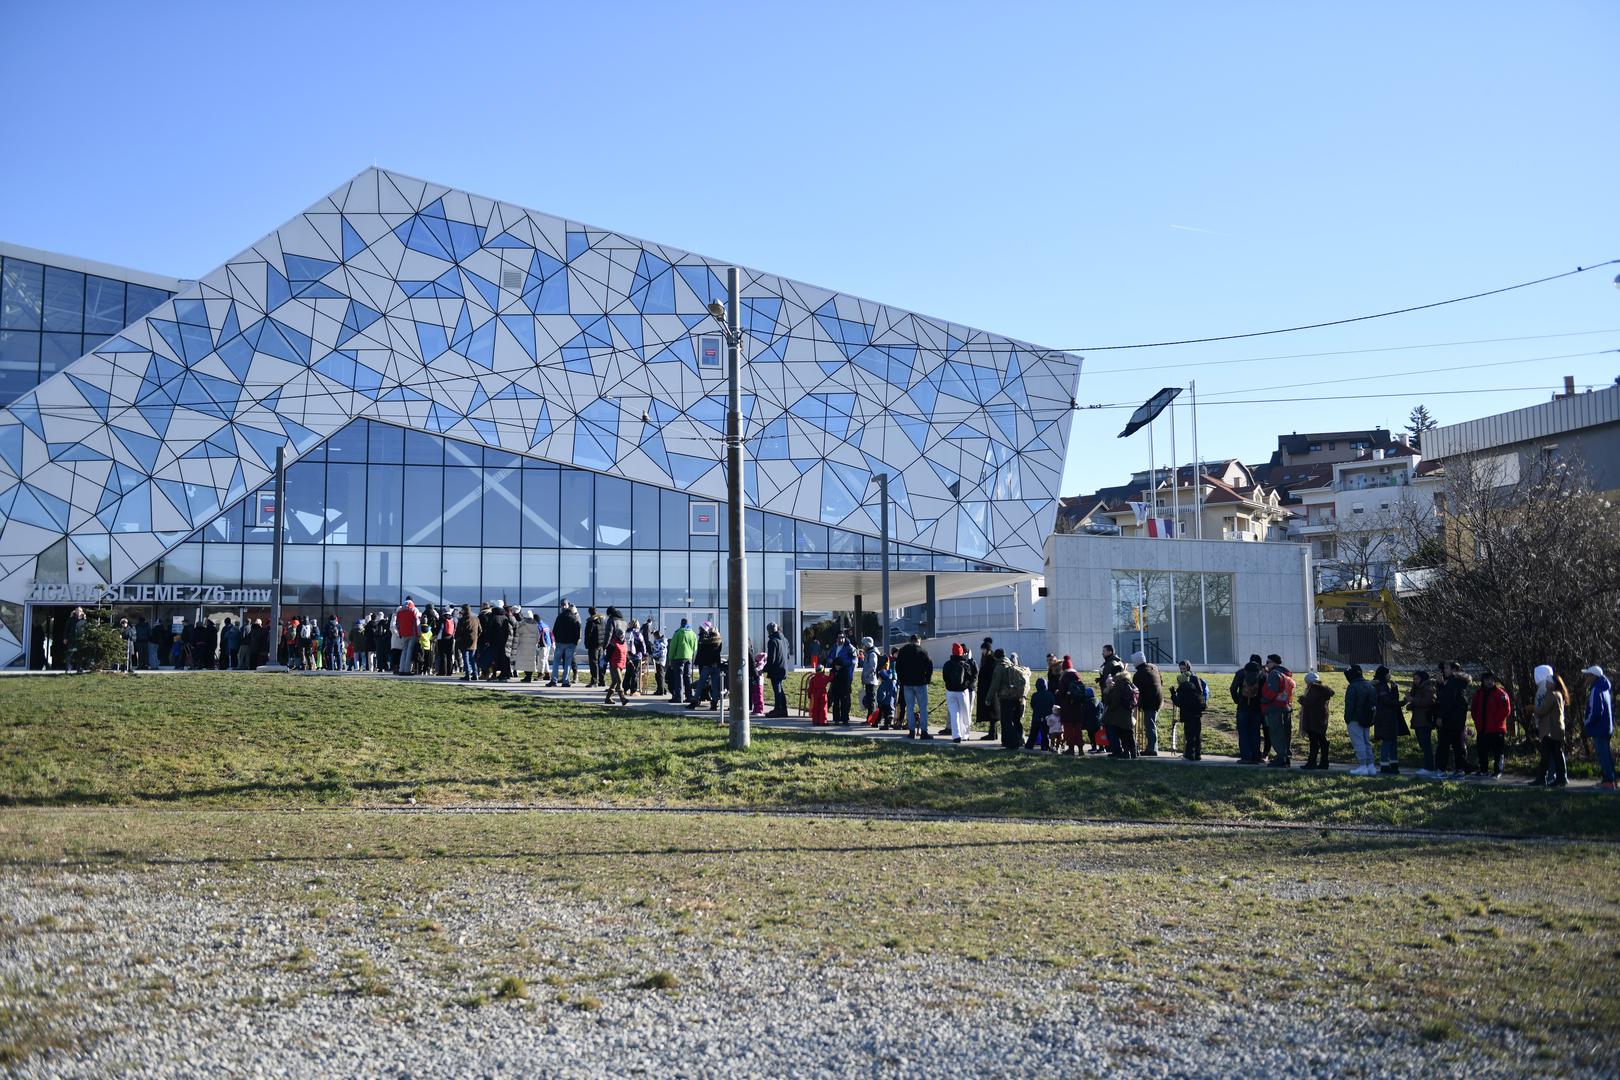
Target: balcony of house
x=1365, y=483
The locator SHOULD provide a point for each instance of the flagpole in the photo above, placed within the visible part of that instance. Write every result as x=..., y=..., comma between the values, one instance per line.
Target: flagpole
x=1175, y=534
x=1153, y=477
x=1198, y=512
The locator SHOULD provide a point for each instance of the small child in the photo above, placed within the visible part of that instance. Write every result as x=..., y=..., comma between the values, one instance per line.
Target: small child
x=424, y=649
x=820, y=681
x=1041, y=703
x=756, y=686
x=886, y=694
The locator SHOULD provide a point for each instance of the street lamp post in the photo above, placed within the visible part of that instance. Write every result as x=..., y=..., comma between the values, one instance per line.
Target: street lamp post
x=728, y=316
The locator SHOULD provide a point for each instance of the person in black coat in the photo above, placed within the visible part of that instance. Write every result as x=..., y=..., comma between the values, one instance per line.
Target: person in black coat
x=776, y=668
x=595, y=642
x=987, y=710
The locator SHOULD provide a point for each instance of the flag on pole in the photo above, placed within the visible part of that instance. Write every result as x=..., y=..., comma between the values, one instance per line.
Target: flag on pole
x=1150, y=408
x=1154, y=526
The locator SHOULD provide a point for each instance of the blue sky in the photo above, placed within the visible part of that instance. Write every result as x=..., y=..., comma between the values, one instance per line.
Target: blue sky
x=1075, y=174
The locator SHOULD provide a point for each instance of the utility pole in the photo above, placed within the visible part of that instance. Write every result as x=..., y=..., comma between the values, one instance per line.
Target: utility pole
x=883, y=531
x=736, y=564
x=273, y=631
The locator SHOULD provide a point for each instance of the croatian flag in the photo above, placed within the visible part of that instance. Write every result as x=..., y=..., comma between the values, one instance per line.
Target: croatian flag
x=1156, y=526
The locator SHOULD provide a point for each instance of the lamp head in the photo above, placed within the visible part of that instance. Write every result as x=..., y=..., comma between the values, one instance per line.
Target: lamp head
x=717, y=309
x=1617, y=281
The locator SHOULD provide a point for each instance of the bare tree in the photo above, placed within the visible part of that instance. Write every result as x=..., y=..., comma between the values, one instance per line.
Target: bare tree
x=1523, y=569
x=1367, y=549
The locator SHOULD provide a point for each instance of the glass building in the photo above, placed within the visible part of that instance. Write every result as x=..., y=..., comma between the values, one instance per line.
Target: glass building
x=480, y=402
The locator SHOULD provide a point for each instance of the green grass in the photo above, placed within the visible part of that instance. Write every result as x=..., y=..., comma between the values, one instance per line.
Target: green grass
x=1455, y=943
x=221, y=740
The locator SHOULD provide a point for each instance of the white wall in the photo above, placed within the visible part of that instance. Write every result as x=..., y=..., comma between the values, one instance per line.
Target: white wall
x=1272, y=601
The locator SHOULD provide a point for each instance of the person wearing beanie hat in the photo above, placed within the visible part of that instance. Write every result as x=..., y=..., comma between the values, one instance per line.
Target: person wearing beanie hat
x=1389, y=722
x=1245, y=692
x=1313, y=720
x=1420, y=701
x=985, y=706
x=957, y=684
x=1360, y=708
x=1599, y=722
x=869, y=679
x=1277, y=709
x=1150, y=699
x=1190, y=696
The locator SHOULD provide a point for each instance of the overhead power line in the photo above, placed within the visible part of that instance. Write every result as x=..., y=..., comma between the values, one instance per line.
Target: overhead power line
x=1341, y=352
x=1342, y=322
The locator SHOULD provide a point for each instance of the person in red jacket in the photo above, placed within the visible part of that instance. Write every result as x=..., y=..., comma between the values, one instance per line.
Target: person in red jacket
x=1490, y=709
x=618, y=656
x=820, y=683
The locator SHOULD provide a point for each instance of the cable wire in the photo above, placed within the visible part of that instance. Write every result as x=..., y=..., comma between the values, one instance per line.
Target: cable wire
x=1343, y=322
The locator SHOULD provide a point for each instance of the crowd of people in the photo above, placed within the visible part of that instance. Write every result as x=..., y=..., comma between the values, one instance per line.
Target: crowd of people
x=1119, y=717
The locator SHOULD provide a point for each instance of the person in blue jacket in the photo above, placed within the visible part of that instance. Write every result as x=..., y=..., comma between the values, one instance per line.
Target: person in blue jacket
x=1599, y=724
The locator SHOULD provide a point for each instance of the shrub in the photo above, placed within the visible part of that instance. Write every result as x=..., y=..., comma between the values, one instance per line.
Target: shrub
x=100, y=647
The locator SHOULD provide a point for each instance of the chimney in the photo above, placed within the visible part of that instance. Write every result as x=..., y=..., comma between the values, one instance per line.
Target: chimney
x=1569, y=386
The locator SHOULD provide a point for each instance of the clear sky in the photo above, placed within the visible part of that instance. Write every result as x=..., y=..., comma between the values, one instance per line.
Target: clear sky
x=1074, y=174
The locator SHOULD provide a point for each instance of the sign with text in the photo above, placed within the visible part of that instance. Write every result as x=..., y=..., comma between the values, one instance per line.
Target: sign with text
x=86, y=592
x=266, y=503
x=705, y=519
x=708, y=353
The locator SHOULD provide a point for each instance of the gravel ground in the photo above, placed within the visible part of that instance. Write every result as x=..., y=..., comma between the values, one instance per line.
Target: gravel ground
x=178, y=971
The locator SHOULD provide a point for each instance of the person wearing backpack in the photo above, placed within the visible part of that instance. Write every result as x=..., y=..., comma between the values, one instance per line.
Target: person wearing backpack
x=1150, y=699
x=1451, y=703
x=1277, y=704
x=1119, y=703
x=1245, y=691
x=1010, y=687
x=1190, y=696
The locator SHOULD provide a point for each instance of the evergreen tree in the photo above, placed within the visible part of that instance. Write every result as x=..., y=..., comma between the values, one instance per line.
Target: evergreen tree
x=1418, y=421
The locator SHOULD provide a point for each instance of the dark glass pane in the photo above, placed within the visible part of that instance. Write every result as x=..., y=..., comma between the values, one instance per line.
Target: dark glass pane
x=612, y=516
x=500, y=459
x=778, y=533
x=19, y=362
x=139, y=300
x=644, y=516
x=459, y=453
x=673, y=525
x=349, y=444
x=57, y=351
x=424, y=510
x=463, y=505
x=64, y=300
x=502, y=497
x=575, y=511
x=387, y=443
x=540, y=493
x=345, y=504
x=423, y=449
x=103, y=305
x=384, y=489
x=385, y=586
x=21, y=286
x=306, y=502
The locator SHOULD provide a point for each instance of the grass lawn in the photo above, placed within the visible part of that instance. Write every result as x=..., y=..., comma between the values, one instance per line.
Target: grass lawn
x=1505, y=949
x=222, y=740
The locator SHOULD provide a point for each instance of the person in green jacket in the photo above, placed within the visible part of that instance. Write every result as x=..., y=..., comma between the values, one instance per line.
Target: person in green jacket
x=682, y=647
